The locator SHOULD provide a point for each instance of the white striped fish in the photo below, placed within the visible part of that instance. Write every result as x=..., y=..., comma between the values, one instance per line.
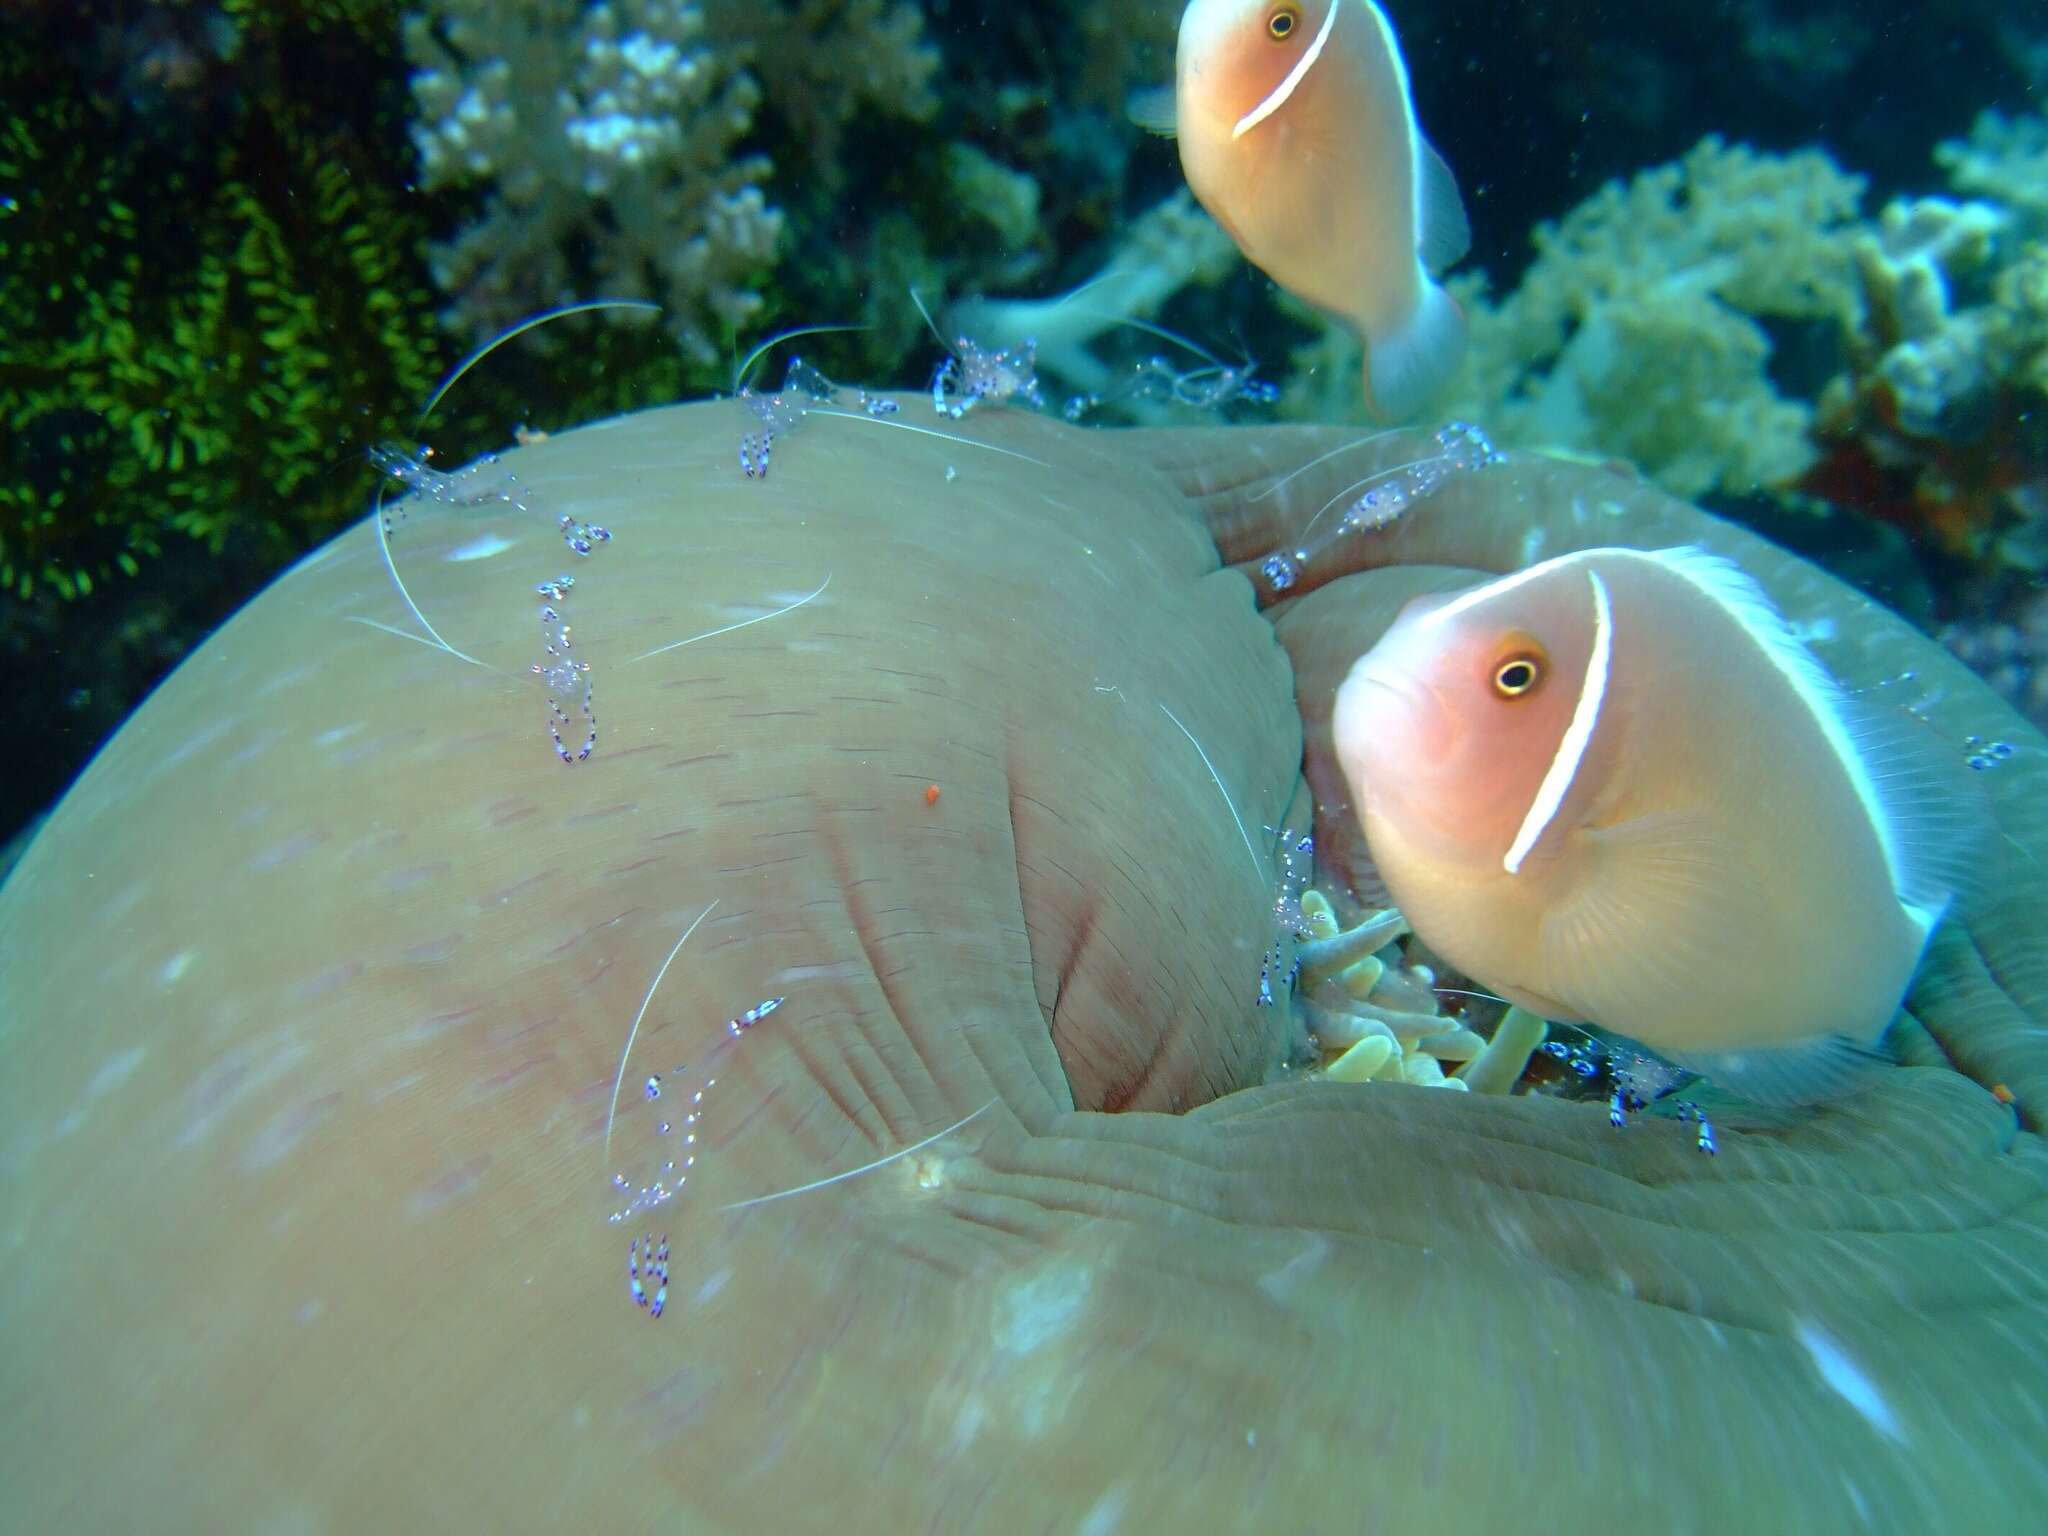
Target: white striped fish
x=1616, y=787
x=1298, y=134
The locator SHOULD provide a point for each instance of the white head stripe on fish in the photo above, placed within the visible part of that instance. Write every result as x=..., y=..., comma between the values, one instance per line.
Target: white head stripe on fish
x=1285, y=88
x=1466, y=601
x=1571, y=749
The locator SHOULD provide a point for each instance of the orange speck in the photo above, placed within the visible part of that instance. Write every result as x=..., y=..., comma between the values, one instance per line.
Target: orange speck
x=931, y=794
x=2001, y=1093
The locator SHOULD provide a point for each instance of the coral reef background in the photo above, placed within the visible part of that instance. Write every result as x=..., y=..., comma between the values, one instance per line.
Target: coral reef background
x=1787, y=257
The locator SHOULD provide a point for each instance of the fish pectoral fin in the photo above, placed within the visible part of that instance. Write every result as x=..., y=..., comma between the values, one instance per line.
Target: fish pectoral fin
x=1446, y=234
x=1655, y=903
x=1801, y=1072
x=1154, y=110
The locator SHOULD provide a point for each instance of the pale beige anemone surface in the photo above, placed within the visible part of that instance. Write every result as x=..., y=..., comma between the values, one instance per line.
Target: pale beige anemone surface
x=342, y=1018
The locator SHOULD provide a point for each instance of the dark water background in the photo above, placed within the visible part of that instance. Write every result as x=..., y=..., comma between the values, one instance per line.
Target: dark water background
x=225, y=201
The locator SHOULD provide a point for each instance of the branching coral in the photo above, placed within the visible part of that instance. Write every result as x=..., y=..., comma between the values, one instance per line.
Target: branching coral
x=1636, y=331
x=822, y=62
x=1932, y=358
x=2005, y=159
x=605, y=135
x=1935, y=423
x=2020, y=295
x=1646, y=329
x=613, y=145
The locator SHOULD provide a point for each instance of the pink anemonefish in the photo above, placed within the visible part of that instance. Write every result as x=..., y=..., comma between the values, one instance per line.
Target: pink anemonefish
x=1616, y=787
x=1298, y=135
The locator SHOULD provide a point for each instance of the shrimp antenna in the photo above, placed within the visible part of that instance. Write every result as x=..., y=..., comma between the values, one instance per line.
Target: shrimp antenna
x=391, y=566
x=1356, y=442
x=1487, y=997
x=1165, y=335
x=1114, y=274
x=930, y=324
x=633, y=1034
x=854, y=1173
x=530, y=323
x=739, y=374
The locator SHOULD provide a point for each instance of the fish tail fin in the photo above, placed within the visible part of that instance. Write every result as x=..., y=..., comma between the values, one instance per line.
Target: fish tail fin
x=1408, y=366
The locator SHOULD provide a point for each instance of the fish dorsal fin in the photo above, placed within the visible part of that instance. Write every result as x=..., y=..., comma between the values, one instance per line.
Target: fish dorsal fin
x=1933, y=822
x=1802, y=1072
x=1154, y=110
x=1442, y=235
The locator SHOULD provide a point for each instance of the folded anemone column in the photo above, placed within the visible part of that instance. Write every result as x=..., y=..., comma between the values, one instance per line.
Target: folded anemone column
x=833, y=1101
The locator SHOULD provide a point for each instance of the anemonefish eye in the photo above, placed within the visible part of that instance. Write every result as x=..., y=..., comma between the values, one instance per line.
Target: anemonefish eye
x=1516, y=676
x=1281, y=23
